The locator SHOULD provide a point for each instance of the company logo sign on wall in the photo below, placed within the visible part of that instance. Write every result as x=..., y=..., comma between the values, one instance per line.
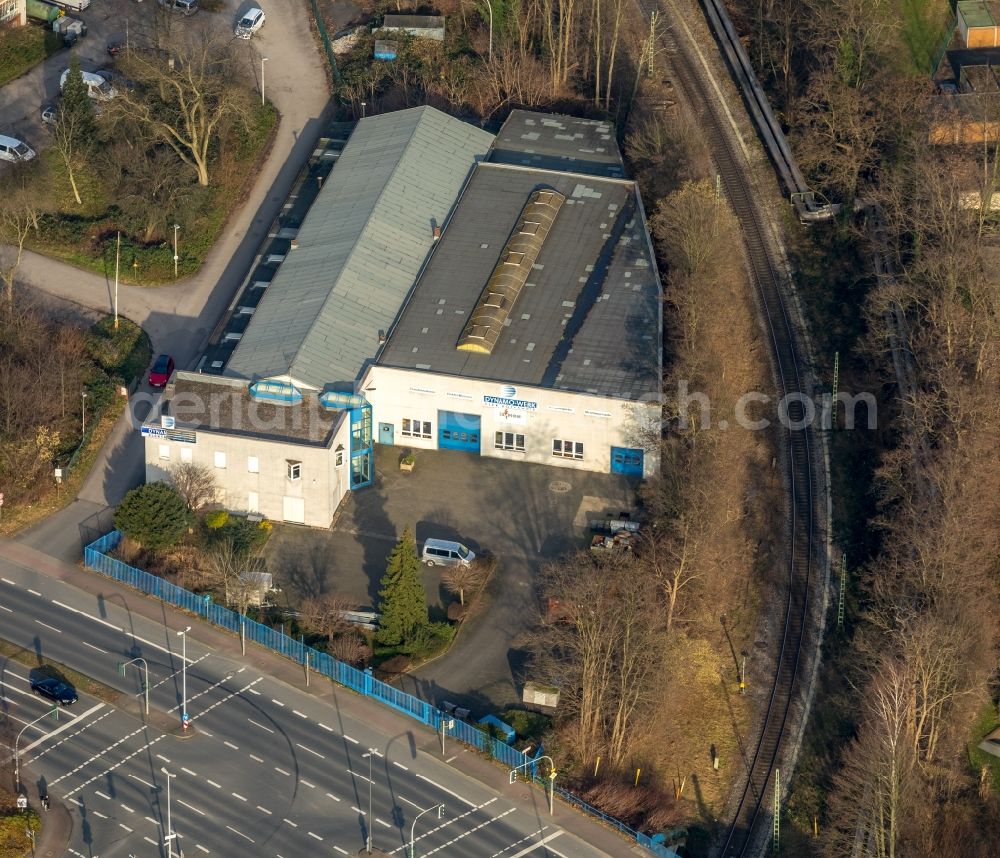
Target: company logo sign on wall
x=509, y=409
x=508, y=391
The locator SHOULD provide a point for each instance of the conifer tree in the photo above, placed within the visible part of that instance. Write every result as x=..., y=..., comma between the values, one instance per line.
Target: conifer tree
x=404, y=601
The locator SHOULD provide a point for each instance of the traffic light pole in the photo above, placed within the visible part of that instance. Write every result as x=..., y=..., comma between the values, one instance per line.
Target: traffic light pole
x=552, y=778
x=144, y=675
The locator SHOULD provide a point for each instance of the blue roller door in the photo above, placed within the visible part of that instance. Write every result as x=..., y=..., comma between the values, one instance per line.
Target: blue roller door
x=458, y=431
x=627, y=461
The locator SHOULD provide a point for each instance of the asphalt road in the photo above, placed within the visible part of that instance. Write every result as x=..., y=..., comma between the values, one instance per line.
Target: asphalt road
x=270, y=769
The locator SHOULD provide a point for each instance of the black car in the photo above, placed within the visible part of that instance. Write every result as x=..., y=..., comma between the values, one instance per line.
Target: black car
x=55, y=690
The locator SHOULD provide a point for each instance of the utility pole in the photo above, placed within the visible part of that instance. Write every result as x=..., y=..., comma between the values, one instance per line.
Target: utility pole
x=184, y=677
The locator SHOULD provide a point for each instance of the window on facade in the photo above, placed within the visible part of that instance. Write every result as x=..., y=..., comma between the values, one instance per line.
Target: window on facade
x=187, y=454
x=220, y=459
x=253, y=465
x=164, y=451
x=416, y=428
x=340, y=458
x=509, y=441
x=8, y=10
x=294, y=470
x=567, y=449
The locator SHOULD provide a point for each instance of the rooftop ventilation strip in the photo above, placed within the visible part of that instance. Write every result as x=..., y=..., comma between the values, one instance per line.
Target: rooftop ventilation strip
x=517, y=258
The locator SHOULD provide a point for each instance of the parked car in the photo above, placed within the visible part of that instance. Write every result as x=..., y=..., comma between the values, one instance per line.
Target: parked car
x=160, y=374
x=184, y=7
x=250, y=23
x=97, y=87
x=12, y=149
x=50, y=114
x=55, y=690
x=116, y=80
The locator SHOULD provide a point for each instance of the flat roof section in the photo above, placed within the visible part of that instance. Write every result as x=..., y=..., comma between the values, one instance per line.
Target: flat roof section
x=552, y=142
x=977, y=13
x=359, y=248
x=587, y=319
x=211, y=403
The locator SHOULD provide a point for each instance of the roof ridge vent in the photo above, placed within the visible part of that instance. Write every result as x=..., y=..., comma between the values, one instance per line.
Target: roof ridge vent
x=511, y=272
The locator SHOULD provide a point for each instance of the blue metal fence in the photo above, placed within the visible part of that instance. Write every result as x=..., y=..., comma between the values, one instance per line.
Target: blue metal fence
x=95, y=557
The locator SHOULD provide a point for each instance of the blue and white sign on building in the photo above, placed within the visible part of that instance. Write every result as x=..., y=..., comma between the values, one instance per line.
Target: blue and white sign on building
x=153, y=432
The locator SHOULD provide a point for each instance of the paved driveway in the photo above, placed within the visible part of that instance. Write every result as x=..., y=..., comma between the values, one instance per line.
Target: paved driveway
x=524, y=514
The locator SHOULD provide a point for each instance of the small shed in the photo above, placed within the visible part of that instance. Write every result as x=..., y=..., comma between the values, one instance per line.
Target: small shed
x=977, y=23
x=419, y=26
x=249, y=588
x=541, y=694
x=385, y=49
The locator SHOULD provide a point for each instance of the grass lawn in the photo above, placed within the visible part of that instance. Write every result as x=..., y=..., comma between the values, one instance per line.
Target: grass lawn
x=927, y=24
x=23, y=48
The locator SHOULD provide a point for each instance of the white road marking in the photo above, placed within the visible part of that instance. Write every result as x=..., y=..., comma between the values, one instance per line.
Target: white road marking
x=535, y=846
x=123, y=825
x=144, y=783
x=341, y=851
x=94, y=647
x=351, y=739
x=102, y=795
x=150, y=840
x=400, y=765
x=46, y=625
x=252, y=691
x=237, y=795
x=359, y=775
x=241, y=834
x=34, y=592
x=282, y=772
x=190, y=807
x=150, y=820
x=213, y=783
x=311, y=751
x=330, y=729
x=69, y=608
x=453, y=757
x=64, y=727
x=167, y=650
x=126, y=808
x=161, y=757
x=263, y=810
x=98, y=813
x=445, y=789
x=358, y=810
x=382, y=822
x=331, y=795
x=189, y=772
x=202, y=848
x=311, y=834
x=410, y=803
x=5, y=608
x=300, y=714
x=378, y=753
x=277, y=702
x=8, y=581
x=256, y=759
x=304, y=782
x=257, y=724
x=293, y=824
x=229, y=744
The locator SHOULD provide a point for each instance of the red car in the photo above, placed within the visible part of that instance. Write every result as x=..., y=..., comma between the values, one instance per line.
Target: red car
x=160, y=374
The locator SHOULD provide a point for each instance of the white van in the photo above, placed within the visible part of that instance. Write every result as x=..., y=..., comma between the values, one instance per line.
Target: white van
x=98, y=87
x=441, y=552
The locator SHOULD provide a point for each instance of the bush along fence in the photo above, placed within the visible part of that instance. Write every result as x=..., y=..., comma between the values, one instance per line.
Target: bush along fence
x=95, y=557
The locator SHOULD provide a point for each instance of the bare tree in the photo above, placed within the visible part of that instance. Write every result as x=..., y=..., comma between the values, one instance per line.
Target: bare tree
x=186, y=98
x=19, y=211
x=195, y=483
x=459, y=578
x=350, y=648
x=325, y=614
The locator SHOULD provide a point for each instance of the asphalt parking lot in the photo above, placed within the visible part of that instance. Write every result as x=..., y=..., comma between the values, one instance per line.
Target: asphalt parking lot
x=114, y=21
x=524, y=514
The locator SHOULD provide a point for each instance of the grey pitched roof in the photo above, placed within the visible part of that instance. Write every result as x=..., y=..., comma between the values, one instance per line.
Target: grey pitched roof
x=359, y=248
x=587, y=320
x=553, y=142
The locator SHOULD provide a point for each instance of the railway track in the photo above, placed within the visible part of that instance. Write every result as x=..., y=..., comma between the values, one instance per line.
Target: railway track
x=754, y=800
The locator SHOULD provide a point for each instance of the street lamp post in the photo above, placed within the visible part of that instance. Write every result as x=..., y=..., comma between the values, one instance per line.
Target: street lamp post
x=177, y=226
x=363, y=109
x=490, y=7
x=118, y=253
x=262, y=61
x=184, y=685
x=169, y=838
x=83, y=414
x=368, y=822
x=17, y=759
x=440, y=809
x=552, y=778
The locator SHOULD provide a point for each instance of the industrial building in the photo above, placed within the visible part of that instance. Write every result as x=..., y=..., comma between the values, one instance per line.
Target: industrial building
x=447, y=289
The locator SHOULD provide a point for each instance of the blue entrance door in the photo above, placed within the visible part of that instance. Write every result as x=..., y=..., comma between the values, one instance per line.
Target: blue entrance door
x=627, y=461
x=385, y=433
x=458, y=431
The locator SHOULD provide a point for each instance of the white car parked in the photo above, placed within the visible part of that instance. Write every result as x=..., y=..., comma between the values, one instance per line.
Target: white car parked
x=12, y=149
x=97, y=87
x=250, y=23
